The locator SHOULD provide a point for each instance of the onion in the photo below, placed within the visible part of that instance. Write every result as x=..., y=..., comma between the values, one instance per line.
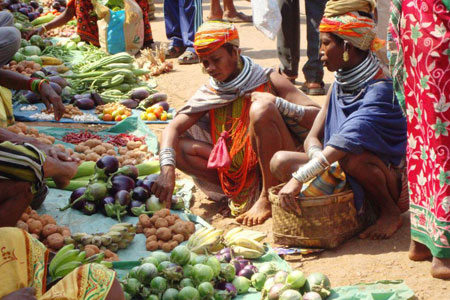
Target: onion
x=311, y=296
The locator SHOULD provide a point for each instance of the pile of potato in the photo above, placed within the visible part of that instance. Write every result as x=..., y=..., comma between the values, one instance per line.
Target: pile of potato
x=93, y=149
x=24, y=67
x=44, y=228
x=21, y=128
x=69, y=113
x=163, y=230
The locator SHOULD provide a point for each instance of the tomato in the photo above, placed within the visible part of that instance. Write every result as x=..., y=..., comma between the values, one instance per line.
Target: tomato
x=151, y=117
x=149, y=110
x=163, y=117
x=127, y=113
x=107, y=111
x=115, y=113
x=118, y=118
x=144, y=116
x=107, y=117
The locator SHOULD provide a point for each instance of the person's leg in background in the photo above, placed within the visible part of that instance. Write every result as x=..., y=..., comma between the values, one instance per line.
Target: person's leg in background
x=383, y=13
x=190, y=19
x=9, y=37
x=173, y=28
x=313, y=69
x=288, y=39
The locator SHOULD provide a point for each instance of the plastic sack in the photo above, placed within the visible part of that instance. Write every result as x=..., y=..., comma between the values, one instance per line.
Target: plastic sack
x=267, y=17
x=6, y=110
x=120, y=31
x=219, y=157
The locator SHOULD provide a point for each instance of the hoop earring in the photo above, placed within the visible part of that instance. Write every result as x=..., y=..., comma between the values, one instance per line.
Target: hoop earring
x=239, y=64
x=345, y=55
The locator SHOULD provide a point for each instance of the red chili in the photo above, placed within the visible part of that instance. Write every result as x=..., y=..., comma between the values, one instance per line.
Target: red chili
x=79, y=137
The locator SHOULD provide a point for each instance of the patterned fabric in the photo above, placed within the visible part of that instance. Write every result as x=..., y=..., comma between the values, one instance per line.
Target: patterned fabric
x=6, y=110
x=424, y=31
x=23, y=261
x=89, y=282
x=331, y=181
x=87, y=27
x=214, y=34
x=22, y=163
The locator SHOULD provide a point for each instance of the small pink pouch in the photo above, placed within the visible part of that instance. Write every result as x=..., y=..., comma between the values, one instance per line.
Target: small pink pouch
x=219, y=157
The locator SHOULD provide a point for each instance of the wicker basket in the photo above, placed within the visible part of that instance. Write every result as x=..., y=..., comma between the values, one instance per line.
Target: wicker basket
x=325, y=221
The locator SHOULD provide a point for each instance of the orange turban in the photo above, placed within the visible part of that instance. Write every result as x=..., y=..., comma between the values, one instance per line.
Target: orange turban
x=214, y=34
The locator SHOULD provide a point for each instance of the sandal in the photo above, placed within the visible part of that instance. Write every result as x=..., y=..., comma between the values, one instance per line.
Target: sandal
x=239, y=18
x=188, y=57
x=174, y=51
x=313, y=88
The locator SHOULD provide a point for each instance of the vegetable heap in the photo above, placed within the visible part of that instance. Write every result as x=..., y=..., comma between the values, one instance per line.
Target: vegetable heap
x=185, y=275
x=114, y=191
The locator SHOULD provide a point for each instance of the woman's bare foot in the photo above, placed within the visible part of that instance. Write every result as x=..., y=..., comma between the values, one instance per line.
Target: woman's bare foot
x=418, y=251
x=66, y=172
x=440, y=268
x=214, y=17
x=384, y=228
x=258, y=214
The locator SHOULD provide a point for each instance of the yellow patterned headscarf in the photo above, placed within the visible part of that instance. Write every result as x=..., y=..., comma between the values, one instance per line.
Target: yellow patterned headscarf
x=341, y=18
x=214, y=34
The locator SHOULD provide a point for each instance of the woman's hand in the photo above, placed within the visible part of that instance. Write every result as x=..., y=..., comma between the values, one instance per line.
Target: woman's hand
x=164, y=185
x=35, y=31
x=287, y=196
x=51, y=98
x=22, y=294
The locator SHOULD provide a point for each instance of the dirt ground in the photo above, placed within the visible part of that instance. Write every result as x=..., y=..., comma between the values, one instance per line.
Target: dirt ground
x=356, y=260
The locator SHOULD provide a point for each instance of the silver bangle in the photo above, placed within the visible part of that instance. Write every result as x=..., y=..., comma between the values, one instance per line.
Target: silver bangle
x=311, y=169
x=167, y=157
x=312, y=151
x=289, y=109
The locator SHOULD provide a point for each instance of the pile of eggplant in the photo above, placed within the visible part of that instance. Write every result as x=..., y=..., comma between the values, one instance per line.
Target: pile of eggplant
x=115, y=191
x=87, y=101
x=30, y=10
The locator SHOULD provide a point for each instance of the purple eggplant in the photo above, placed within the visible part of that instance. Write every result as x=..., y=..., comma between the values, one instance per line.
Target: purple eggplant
x=97, y=99
x=56, y=6
x=121, y=201
x=89, y=208
x=121, y=182
x=107, y=200
x=134, y=204
x=32, y=98
x=139, y=182
x=85, y=103
x=129, y=103
x=34, y=4
x=225, y=255
x=229, y=287
x=105, y=166
x=75, y=195
x=140, y=194
x=94, y=192
x=129, y=170
x=247, y=271
x=147, y=184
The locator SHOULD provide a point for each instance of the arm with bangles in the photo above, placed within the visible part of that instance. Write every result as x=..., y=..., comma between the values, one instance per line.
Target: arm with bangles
x=165, y=183
x=60, y=20
x=16, y=81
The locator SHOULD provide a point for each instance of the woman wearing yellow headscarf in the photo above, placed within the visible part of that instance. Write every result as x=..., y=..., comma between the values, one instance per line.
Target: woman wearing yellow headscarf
x=361, y=125
x=23, y=271
x=228, y=131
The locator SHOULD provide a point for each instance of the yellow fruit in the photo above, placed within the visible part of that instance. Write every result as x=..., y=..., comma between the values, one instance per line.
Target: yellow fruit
x=124, y=117
x=115, y=114
x=151, y=117
x=143, y=116
x=149, y=110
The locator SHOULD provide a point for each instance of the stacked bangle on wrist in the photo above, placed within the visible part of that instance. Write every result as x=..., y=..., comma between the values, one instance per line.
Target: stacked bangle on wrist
x=312, y=168
x=35, y=84
x=313, y=150
x=167, y=157
x=44, y=28
x=289, y=109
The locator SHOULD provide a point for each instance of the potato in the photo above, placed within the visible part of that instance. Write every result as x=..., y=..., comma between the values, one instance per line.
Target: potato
x=151, y=245
x=139, y=228
x=179, y=228
x=25, y=217
x=190, y=227
x=34, y=215
x=49, y=219
x=178, y=237
x=69, y=151
x=49, y=229
x=22, y=225
x=92, y=157
x=93, y=247
x=133, y=145
x=164, y=234
x=166, y=247
x=37, y=237
x=108, y=146
x=99, y=149
x=91, y=143
x=55, y=241
x=173, y=244
x=28, y=210
x=123, y=150
x=154, y=218
x=66, y=232
x=89, y=251
x=163, y=212
x=170, y=219
x=145, y=221
x=160, y=243
x=35, y=226
x=152, y=238
x=111, y=152
x=160, y=222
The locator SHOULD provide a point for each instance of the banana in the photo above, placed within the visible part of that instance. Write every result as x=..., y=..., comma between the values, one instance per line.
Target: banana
x=211, y=237
x=121, y=229
x=127, y=225
x=106, y=239
x=114, y=247
x=97, y=241
x=129, y=236
x=81, y=256
x=115, y=236
x=132, y=229
x=66, y=268
x=96, y=258
x=232, y=232
x=123, y=244
x=69, y=240
x=246, y=234
x=247, y=253
x=248, y=243
x=256, y=235
x=202, y=234
x=208, y=240
x=77, y=236
x=86, y=239
x=65, y=257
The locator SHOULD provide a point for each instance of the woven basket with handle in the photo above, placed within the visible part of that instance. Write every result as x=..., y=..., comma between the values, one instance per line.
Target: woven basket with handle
x=324, y=222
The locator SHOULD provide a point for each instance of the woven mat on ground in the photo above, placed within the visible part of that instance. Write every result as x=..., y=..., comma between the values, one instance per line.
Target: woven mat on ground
x=26, y=115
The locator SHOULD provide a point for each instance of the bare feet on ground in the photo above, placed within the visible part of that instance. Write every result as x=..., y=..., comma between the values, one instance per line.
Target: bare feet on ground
x=384, y=228
x=418, y=251
x=440, y=268
x=68, y=170
x=258, y=214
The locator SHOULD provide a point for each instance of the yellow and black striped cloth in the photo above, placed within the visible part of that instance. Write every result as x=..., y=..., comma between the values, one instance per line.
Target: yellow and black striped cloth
x=331, y=181
x=22, y=163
